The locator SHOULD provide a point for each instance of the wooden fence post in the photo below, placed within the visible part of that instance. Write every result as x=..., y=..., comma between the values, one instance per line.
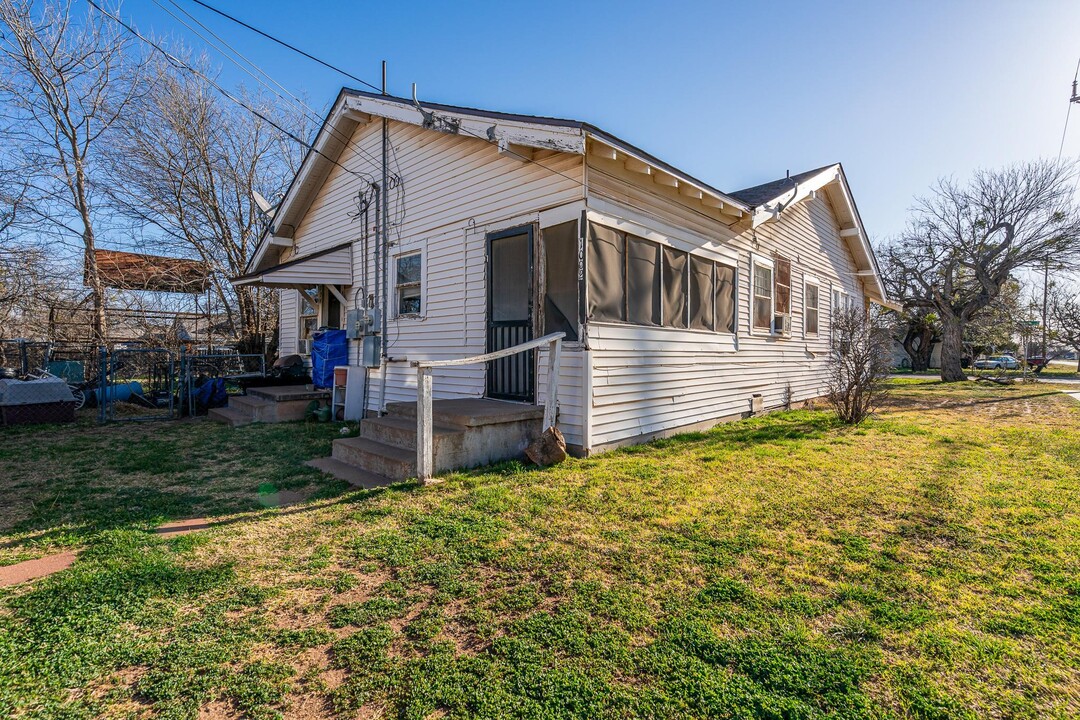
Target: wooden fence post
x=551, y=402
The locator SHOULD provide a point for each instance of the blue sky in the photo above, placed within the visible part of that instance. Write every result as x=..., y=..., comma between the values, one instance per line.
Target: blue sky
x=734, y=93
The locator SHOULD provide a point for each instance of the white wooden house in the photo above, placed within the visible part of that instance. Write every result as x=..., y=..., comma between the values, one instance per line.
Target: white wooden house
x=682, y=305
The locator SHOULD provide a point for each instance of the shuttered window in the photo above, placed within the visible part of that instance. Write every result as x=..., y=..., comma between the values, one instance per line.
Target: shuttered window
x=642, y=281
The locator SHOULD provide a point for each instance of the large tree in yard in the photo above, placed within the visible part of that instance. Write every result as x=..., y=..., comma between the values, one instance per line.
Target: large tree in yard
x=65, y=81
x=965, y=241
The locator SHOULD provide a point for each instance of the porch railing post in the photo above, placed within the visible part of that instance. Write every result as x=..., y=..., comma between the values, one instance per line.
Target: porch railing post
x=424, y=450
x=551, y=402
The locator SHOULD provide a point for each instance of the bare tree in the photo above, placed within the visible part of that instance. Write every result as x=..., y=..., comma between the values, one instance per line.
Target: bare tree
x=64, y=84
x=189, y=164
x=965, y=241
x=860, y=364
x=994, y=329
x=1065, y=310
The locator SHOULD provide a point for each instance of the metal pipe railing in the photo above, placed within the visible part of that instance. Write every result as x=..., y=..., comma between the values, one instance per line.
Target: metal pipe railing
x=425, y=464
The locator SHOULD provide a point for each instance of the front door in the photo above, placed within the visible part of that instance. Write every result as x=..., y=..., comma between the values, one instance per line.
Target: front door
x=510, y=314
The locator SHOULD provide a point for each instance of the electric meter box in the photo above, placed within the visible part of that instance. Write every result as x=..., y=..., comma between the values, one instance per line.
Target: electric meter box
x=371, y=351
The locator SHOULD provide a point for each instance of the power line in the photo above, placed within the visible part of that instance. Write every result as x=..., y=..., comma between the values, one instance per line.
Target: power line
x=300, y=104
x=347, y=74
x=295, y=49
x=1068, y=112
x=181, y=64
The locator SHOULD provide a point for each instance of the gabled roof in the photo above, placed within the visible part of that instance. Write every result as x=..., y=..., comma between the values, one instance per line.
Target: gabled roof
x=771, y=191
x=520, y=134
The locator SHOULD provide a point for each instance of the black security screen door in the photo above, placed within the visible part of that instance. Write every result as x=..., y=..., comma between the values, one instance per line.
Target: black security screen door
x=510, y=293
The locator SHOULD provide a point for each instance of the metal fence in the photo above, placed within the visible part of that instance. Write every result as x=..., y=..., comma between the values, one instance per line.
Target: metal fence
x=134, y=383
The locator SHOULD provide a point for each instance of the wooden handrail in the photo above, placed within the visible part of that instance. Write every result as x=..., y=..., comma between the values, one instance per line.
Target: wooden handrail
x=505, y=352
x=425, y=461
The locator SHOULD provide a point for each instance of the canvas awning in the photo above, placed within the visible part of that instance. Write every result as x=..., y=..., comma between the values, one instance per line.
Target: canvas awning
x=332, y=266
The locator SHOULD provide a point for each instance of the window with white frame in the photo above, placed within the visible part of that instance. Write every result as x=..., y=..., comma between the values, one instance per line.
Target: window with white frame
x=811, y=302
x=308, y=314
x=762, y=289
x=408, y=284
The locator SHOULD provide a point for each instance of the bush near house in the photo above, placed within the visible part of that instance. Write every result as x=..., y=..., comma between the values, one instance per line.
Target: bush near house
x=921, y=565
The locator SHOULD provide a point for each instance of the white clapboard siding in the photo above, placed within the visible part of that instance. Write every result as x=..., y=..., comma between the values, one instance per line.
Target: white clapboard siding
x=452, y=190
x=288, y=322
x=656, y=380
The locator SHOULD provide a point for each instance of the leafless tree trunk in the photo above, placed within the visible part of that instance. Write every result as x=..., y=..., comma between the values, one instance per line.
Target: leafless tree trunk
x=188, y=164
x=965, y=242
x=65, y=81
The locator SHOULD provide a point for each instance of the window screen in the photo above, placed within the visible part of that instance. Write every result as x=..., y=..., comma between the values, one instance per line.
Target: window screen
x=607, y=273
x=763, y=289
x=510, y=286
x=561, y=279
x=642, y=281
x=811, y=303
x=674, y=288
x=701, y=293
x=725, y=299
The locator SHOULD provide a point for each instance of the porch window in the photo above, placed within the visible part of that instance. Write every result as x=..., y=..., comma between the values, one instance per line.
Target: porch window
x=561, y=277
x=725, y=298
x=763, y=295
x=702, y=297
x=408, y=284
x=607, y=274
x=642, y=281
x=674, y=281
x=810, y=310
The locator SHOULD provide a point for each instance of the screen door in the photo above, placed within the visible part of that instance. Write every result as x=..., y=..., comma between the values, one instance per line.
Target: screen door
x=510, y=314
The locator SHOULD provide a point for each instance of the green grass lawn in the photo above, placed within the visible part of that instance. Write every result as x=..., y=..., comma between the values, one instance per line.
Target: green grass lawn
x=924, y=565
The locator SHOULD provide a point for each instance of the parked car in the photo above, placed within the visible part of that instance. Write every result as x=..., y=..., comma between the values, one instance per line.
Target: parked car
x=997, y=362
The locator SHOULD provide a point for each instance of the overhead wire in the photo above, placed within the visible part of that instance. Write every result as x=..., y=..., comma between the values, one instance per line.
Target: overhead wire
x=304, y=108
x=295, y=49
x=349, y=75
x=1076, y=75
x=181, y=64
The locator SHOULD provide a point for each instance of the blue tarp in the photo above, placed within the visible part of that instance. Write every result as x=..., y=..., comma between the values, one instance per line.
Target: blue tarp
x=329, y=349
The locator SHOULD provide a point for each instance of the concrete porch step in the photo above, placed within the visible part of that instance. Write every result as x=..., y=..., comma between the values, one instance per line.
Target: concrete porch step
x=376, y=457
x=357, y=477
x=470, y=412
x=286, y=393
x=401, y=432
x=230, y=416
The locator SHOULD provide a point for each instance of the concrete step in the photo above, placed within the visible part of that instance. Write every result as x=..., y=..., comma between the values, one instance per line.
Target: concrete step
x=470, y=412
x=229, y=416
x=393, y=462
x=357, y=477
x=258, y=409
x=401, y=432
x=285, y=393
